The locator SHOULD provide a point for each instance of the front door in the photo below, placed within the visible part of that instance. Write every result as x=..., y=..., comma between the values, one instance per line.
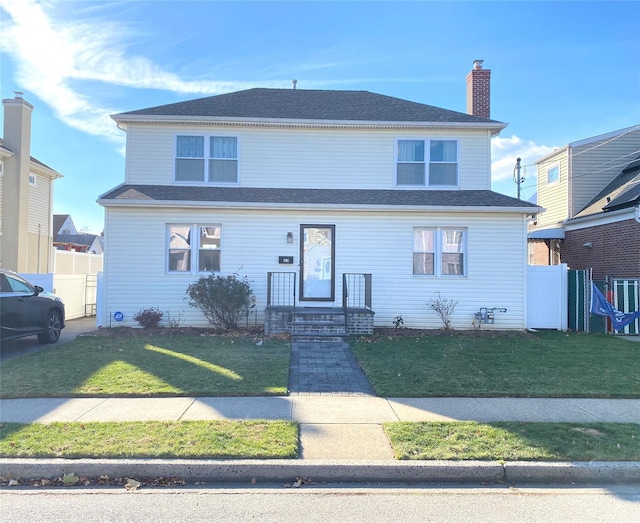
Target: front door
x=317, y=253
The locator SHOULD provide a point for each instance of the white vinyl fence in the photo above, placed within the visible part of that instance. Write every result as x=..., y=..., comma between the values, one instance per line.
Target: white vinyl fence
x=74, y=280
x=547, y=297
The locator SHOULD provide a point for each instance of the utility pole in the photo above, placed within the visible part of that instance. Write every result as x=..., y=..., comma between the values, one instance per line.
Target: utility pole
x=517, y=178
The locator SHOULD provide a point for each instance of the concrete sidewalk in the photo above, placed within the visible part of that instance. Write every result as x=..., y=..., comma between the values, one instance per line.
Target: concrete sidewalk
x=341, y=438
x=332, y=427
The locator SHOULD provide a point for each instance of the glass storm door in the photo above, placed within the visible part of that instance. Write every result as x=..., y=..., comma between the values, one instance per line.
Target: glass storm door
x=317, y=252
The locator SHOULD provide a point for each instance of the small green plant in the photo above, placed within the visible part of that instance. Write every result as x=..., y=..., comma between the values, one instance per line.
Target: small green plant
x=398, y=321
x=444, y=308
x=223, y=300
x=149, y=318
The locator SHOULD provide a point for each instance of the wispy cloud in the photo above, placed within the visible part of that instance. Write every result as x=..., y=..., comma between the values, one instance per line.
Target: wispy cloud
x=505, y=152
x=56, y=57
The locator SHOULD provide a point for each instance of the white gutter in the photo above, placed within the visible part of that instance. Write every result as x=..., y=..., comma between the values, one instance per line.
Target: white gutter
x=314, y=206
x=601, y=219
x=494, y=127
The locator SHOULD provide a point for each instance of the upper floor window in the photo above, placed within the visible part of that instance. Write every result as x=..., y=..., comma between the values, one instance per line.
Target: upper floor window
x=207, y=159
x=553, y=174
x=429, y=163
x=194, y=248
x=439, y=251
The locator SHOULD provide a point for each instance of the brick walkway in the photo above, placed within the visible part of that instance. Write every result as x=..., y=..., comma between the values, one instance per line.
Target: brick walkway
x=327, y=368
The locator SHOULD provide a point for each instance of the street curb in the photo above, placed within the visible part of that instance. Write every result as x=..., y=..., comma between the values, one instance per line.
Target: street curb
x=265, y=471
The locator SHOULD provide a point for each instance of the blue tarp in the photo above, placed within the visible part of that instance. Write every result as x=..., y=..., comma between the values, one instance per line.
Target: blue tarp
x=601, y=307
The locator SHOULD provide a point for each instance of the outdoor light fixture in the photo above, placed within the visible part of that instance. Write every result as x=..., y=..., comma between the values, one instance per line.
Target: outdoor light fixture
x=289, y=237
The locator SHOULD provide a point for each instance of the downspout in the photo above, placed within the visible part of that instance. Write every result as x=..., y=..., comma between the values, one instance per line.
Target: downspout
x=39, y=242
x=570, y=181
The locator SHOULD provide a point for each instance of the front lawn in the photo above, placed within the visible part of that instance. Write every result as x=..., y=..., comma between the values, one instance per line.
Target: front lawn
x=515, y=441
x=219, y=439
x=180, y=365
x=545, y=364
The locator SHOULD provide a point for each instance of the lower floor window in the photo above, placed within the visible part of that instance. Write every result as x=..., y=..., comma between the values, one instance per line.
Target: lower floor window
x=193, y=248
x=439, y=251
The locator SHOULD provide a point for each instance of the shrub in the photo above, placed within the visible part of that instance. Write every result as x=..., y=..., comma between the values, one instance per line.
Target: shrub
x=149, y=318
x=222, y=299
x=444, y=308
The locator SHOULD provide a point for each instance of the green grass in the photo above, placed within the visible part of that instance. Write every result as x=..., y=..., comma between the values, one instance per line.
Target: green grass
x=513, y=441
x=548, y=364
x=157, y=439
x=178, y=365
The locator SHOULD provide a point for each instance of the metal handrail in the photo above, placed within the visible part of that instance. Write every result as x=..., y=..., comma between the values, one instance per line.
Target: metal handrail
x=356, y=291
x=281, y=289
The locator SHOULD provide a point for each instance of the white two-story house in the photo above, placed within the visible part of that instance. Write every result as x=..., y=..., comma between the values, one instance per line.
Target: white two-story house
x=321, y=199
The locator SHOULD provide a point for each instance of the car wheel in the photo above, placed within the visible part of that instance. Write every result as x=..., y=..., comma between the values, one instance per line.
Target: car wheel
x=54, y=326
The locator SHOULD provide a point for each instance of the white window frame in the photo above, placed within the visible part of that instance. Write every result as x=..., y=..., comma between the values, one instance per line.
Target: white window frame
x=193, y=248
x=550, y=168
x=427, y=163
x=439, y=250
x=206, y=159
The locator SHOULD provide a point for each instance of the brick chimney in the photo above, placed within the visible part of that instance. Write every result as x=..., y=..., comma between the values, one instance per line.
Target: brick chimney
x=479, y=91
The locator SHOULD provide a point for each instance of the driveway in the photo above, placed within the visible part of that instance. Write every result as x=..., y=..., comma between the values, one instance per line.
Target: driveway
x=22, y=346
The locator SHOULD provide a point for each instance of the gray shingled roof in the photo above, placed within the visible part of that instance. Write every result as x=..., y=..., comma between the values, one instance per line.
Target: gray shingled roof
x=328, y=197
x=622, y=192
x=306, y=104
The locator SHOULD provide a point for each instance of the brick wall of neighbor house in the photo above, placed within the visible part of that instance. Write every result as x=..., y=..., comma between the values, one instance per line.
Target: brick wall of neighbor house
x=538, y=252
x=614, y=251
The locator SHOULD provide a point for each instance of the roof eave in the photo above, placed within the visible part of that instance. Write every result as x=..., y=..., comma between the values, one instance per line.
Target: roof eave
x=493, y=126
x=107, y=202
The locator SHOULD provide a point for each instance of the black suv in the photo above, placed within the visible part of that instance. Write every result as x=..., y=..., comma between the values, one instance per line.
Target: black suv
x=27, y=309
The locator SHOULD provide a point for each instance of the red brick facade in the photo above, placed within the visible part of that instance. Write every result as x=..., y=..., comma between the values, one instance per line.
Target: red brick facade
x=538, y=252
x=614, y=250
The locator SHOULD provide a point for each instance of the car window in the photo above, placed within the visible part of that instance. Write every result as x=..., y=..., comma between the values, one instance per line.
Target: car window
x=4, y=284
x=17, y=285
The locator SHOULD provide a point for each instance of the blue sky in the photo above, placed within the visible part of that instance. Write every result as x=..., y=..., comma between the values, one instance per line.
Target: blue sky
x=561, y=71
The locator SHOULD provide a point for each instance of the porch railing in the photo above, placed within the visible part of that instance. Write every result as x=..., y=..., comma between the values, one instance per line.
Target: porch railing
x=281, y=289
x=356, y=291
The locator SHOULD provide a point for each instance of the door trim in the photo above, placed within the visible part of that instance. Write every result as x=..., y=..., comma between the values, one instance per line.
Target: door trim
x=331, y=271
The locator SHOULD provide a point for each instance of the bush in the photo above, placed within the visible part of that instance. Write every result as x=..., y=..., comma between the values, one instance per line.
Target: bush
x=222, y=299
x=444, y=308
x=149, y=318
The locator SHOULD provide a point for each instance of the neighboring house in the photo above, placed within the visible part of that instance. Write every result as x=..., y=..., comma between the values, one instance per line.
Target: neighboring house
x=26, y=195
x=67, y=238
x=323, y=185
x=590, y=192
x=63, y=224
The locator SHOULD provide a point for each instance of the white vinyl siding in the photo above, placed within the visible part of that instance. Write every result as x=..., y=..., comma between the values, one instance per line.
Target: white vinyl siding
x=305, y=158
x=253, y=241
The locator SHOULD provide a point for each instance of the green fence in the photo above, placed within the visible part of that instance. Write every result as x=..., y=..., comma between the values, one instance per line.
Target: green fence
x=624, y=296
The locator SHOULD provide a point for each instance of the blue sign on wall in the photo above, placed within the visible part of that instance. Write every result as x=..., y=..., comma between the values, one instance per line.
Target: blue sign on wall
x=118, y=316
